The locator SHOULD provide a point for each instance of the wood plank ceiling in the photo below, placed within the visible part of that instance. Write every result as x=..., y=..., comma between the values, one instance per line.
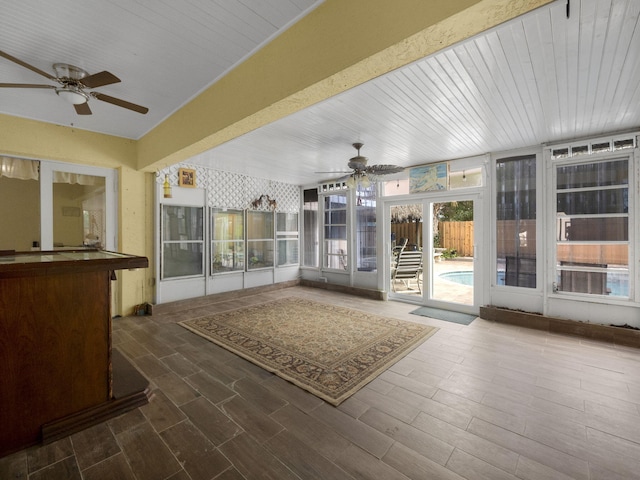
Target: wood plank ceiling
x=164, y=52
x=538, y=79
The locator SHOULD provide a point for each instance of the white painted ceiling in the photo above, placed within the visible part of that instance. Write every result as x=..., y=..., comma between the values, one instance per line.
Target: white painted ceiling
x=538, y=79
x=165, y=52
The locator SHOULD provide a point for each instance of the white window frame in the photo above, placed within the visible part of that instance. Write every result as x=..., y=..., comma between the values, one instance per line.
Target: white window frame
x=588, y=155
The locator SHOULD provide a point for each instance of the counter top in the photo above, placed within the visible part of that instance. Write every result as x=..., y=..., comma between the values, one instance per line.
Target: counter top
x=43, y=263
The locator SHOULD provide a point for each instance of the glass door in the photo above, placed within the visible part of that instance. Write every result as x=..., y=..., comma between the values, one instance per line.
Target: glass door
x=432, y=252
x=406, y=254
x=451, y=256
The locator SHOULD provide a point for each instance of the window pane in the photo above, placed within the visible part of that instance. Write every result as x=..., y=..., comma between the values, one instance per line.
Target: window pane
x=593, y=229
x=311, y=229
x=182, y=245
x=287, y=252
x=336, y=217
x=227, y=240
x=227, y=225
x=259, y=225
x=366, y=228
x=260, y=254
x=592, y=237
x=594, y=202
x=287, y=238
x=335, y=231
x=182, y=259
x=287, y=222
x=516, y=221
x=599, y=174
x=181, y=223
x=227, y=256
x=336, y=254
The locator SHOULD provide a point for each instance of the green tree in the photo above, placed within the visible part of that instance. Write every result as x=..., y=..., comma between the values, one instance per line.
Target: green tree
x=456, y=211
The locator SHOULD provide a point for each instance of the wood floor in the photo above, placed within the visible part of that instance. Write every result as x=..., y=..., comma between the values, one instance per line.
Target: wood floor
x=484, y=401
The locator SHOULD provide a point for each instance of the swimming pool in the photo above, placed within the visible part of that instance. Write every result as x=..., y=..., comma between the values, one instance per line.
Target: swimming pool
x=463, y=277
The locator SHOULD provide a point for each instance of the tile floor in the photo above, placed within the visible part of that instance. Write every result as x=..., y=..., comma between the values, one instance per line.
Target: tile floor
x=484, y=401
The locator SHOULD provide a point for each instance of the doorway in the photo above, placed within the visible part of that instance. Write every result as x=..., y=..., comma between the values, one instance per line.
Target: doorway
x=432, y=256
x=77, y=207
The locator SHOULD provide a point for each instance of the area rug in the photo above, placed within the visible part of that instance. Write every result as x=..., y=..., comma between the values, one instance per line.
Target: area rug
x=328, y=350
x=446, y=315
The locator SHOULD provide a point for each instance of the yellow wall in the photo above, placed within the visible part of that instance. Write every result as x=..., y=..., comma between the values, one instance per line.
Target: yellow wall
x=37, y=140
x=19, y=213
x=339, y=45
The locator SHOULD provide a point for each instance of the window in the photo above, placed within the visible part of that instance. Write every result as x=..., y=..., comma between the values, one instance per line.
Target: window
x=260, y=240
x=516, y=221
x=366, y=228
x=592, y=227
x=310, y=228
x=182, y=241
x=335, y=231
x=227, y=240
x=287, y=238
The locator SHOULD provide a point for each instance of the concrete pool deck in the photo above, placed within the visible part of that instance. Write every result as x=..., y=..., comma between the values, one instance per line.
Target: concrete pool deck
x=444, y=289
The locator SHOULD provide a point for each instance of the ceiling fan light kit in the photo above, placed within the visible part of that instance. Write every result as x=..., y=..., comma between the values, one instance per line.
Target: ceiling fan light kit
x=363, y=174
x=73, y=96
x=73, y=85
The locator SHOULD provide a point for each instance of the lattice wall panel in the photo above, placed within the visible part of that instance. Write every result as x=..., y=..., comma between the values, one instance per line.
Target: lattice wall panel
x=232, y=190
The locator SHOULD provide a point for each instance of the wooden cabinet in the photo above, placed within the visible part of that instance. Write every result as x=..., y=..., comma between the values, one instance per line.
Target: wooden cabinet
x=55, y=342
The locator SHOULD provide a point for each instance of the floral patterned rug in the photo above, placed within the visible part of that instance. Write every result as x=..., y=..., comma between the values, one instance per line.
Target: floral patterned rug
x=328, y=350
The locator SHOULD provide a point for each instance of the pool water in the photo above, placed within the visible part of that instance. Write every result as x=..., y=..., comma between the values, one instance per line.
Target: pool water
x=617, y=284
x=463, y=277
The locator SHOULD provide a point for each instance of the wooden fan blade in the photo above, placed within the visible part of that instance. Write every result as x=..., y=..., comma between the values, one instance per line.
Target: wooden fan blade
x=120, y=103
x=26, y=65
x=83, y=109
x=25, y=85
x=99, y=79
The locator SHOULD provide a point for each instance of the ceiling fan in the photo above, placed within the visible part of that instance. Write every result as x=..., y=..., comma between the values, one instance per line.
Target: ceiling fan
x=74, y=85
x=362, y=173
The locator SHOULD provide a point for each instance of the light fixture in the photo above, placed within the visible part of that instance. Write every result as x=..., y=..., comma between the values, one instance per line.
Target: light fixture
x=464, y=176
x=166, y=187
x=351, y=181
x=358, y=178
x=73, y=95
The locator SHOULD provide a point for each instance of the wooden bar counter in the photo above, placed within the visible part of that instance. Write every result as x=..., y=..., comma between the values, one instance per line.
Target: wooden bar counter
x=56, y=358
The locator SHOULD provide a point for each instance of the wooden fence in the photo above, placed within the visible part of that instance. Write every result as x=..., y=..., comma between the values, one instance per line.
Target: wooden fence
x=456, y=236
x=412, y=231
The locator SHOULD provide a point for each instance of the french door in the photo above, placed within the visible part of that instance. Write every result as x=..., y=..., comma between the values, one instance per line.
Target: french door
x=440, y=232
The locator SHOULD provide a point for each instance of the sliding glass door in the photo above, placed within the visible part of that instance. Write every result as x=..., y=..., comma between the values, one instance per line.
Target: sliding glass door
x=432, y=254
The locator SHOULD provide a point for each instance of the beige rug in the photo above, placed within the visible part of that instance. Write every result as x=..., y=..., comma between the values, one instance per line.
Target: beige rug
x=328, y=350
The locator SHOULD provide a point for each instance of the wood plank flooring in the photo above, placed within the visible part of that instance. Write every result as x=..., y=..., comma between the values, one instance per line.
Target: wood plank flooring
x=483, y=401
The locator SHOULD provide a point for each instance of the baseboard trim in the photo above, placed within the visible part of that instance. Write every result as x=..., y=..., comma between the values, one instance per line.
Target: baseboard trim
x=360, y=292
x=616, y=335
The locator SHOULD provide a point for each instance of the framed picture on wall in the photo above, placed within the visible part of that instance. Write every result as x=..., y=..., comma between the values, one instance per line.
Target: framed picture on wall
x=186, y=177
x=429, y=177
